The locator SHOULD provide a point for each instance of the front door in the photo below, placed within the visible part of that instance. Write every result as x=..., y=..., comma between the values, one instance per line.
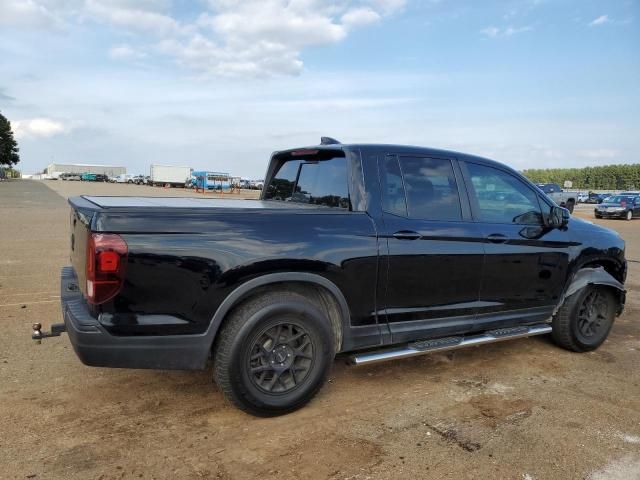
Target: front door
x=526, y=263
x=435, y=252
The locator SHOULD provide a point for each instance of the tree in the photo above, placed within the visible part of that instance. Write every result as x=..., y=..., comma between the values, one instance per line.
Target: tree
x=8, y=146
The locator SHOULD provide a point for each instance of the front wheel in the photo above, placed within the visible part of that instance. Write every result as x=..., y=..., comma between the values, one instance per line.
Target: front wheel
x=273, y=353
x=629, y=216
x=584, y=320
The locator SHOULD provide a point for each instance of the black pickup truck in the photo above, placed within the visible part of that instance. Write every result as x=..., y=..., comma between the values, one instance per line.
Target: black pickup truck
x=372, y=251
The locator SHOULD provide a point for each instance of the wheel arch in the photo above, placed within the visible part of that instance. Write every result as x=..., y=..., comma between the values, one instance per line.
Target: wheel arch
x=334, y=302
x=595, y=274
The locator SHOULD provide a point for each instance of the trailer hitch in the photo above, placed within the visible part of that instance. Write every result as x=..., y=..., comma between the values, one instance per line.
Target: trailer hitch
x=56, y=330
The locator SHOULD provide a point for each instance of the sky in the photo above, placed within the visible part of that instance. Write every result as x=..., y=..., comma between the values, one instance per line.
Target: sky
x=220, y=84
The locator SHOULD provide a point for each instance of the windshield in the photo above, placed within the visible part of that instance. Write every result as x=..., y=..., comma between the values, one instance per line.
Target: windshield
x=619, y=199
x=303, y=180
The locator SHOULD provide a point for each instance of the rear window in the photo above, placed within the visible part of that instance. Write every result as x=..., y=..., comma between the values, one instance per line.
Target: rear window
x=316, y=182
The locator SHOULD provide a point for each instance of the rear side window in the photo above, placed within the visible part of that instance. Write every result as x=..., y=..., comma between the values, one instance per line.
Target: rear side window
x=322, y=182
x=420, y=188
x=503, y=198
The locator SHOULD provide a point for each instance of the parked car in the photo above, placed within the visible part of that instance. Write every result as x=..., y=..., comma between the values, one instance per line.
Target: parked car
x=582, y=197
x=619, y=206
x=88, y=177
x=101, y=178
x=257, y=184
x=124, y=178
x=378, y=252
x=597, y=197
x=558, y=195
x=70, y=176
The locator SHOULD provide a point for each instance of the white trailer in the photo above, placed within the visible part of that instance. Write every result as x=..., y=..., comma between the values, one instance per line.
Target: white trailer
x=168, y=175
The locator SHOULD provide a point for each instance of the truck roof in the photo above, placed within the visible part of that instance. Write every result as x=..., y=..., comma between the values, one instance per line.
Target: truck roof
x=399, y=149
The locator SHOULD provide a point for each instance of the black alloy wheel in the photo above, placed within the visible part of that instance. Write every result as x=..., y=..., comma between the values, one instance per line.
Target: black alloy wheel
x=274, y=352
x=281, y=358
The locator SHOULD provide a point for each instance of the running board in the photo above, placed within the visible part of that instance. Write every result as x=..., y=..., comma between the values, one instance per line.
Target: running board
x=448, y=343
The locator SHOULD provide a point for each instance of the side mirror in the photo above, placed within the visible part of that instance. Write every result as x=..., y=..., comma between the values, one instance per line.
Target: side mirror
x=558, y=217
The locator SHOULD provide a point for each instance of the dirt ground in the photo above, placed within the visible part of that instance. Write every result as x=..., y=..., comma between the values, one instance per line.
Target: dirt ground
x=523, y=409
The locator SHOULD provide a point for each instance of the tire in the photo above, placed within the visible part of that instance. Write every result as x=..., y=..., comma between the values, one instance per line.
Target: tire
x=258, y=369
x=598, y=216
x=629, y=215
x=570, y=205
x=570, y=329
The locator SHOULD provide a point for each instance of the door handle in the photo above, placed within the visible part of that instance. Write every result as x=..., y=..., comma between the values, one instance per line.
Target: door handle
x=406, y=235
x=497, y=238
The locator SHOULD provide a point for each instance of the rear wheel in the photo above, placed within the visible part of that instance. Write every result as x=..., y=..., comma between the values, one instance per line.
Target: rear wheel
x=585, y=319
x=570, y=205
x=273, y=353
x=629, y=215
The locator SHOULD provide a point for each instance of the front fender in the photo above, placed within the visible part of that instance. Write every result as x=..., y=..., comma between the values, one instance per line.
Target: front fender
x=594, y=276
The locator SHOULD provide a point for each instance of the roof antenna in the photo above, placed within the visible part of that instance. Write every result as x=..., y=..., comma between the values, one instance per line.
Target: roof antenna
x=328, y=141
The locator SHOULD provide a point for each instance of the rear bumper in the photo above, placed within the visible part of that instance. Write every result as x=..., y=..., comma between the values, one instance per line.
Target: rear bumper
x=98, y=348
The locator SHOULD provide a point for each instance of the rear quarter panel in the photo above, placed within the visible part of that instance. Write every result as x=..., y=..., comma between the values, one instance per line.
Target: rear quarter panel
x=183, y=265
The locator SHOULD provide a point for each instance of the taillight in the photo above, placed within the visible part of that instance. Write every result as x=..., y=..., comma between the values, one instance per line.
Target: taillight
x=106, y=264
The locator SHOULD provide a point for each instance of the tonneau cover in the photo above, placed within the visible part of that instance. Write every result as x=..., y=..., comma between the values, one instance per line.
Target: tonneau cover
x=187, y=202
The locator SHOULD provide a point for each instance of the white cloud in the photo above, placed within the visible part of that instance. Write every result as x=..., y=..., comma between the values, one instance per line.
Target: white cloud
x=133, y=17
x=227, y=37
x=601, y=20
x=358, y=17
x=124, y=52
x=38, y=127
x=495, y=32
x=27, y=13
x=266, y=37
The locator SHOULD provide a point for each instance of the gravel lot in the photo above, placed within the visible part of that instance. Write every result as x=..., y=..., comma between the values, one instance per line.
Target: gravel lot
x=523, y=409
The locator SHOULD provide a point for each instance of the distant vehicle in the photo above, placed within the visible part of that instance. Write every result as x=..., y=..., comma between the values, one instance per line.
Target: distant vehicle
x=619, y=206
x=70, y=176
x=211, y=180
x=597, y=197
x=124, y=178
x=582, y=197
x=141, y=179
x=169, y=175
x=88, y=177
x=100, y=177
x=567, y=200
x=256, y=184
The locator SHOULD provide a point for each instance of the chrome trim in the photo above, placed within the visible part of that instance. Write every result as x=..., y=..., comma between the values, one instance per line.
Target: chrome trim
x=407, y=351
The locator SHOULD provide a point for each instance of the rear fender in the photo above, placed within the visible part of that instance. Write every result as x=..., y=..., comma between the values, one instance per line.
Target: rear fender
x=594, y=276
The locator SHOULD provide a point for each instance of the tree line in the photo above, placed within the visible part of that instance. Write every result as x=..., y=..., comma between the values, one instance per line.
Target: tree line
x=8, y=146
x=606, y=177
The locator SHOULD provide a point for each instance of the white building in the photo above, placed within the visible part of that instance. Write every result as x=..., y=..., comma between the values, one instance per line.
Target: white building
x=55, y=169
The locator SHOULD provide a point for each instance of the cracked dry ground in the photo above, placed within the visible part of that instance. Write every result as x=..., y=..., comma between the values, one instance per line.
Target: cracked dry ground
x=520, y=409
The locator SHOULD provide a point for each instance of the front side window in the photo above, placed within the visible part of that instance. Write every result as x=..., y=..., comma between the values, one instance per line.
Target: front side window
x=503, y=198
x=321, y=182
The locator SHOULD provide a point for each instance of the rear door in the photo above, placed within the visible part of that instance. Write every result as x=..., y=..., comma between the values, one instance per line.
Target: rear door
x=525, y=262
x=435, y=252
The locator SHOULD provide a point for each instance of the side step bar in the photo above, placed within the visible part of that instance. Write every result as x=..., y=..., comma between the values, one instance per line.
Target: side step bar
x=449, y=343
